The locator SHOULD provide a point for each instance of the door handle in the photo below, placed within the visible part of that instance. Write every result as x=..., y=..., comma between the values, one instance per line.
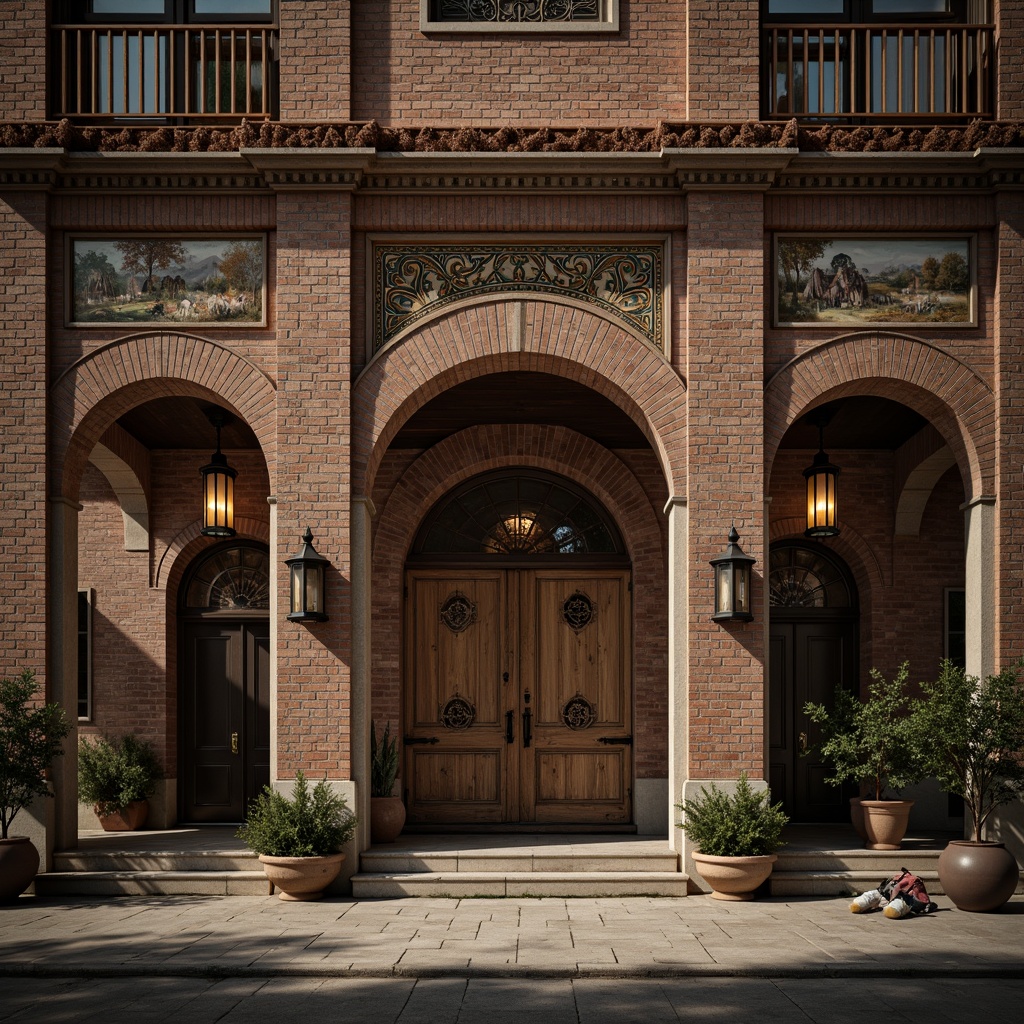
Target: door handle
x=510, y=726
x=527, y=727
x=410, y=740
x=234, y=743
x=622, y=741
x=803, y=743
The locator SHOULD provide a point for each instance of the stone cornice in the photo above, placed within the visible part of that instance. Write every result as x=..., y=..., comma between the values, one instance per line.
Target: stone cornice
x=668, y=171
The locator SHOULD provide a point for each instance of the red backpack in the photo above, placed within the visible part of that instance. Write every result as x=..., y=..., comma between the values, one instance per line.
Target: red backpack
x=909, y=888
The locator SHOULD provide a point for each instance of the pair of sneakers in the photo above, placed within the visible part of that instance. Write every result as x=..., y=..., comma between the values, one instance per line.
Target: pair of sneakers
x=899, y=906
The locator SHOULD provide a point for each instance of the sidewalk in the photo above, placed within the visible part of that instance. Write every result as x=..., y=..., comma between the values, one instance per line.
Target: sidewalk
x=216, y=937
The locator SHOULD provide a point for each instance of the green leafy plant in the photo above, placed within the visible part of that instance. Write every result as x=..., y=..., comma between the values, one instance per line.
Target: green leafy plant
x=383, y=762
x=873, y=741
x=973, y=737
x=740, y=824
x=313, y=823
x=30, y=738
x=114, y=773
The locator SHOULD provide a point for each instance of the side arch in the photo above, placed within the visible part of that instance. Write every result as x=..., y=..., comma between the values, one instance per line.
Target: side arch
x=101, y=386
x=952, y=396
x=502, y=335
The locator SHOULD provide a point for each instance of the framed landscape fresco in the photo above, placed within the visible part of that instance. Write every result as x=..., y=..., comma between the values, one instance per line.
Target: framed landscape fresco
x=857, y=281
x=159, y=279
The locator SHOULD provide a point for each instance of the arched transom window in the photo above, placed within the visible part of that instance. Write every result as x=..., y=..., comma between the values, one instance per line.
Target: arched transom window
x=801, y=576
x=235, y=579
x=515, y=514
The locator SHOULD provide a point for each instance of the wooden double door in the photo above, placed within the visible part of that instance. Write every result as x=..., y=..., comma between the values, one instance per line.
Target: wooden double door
x=518, y=697
x=225, y=718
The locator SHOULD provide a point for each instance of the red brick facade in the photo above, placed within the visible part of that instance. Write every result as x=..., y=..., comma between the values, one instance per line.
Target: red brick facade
x=700, y=417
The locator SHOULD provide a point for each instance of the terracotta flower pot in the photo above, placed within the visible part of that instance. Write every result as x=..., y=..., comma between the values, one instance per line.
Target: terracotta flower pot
x=19, y=862
x=885, y=823
x=387, y=818
x=978, y=876
x=301, y=878
x=127, y=819
x=733, y=878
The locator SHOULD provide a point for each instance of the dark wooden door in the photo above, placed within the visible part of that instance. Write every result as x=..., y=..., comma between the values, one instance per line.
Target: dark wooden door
x=225, y=698
x=807, y=660
x=492, y=663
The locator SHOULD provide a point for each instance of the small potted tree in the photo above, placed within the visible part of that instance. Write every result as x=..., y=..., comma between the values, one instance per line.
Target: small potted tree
x=30, y=738
x=299, y=840
x=387, y=812
x=735, y=835
x=874, y=743
x=974, y=737
x=118, y=777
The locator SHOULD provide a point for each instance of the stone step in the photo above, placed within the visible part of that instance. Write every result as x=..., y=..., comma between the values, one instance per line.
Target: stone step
x=126, y=860
x=149, y=883
x=469, y=884
x=379, y=860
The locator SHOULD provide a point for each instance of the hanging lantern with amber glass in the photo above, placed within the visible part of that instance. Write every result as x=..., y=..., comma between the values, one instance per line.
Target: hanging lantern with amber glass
x=732, y=582
x=306, y=583
x=822, y=493
x=218, y=489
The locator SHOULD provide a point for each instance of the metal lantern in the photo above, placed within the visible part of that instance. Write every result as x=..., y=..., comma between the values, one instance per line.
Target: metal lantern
x=218, y=490
x=822, y=492
x=306, y=583
x=732, y=582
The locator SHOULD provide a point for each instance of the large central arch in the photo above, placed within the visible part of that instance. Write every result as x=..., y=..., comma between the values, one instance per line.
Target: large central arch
x=512, y=334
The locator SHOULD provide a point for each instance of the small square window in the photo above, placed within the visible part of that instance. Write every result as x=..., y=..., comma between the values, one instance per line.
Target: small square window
x=519, y=16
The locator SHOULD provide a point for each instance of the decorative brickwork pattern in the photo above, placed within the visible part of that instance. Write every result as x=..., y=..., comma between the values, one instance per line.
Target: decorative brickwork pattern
x=725, y=485
x=506, y=78
x=1009, y=482
x=313, y=429
x=23, y=512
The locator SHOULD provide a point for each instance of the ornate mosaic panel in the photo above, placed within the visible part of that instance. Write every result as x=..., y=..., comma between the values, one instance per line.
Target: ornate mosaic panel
x=413, y=282
x=516, y=10
x=458, y=612
x=457, y=712
x=578, y=712
x=578, y=611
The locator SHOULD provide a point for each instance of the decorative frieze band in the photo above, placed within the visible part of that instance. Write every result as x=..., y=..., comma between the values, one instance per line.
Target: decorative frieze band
x=413, y=282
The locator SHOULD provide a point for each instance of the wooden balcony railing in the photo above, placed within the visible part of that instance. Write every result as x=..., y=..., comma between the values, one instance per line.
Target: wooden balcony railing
x=164, y=73
x=902, y=73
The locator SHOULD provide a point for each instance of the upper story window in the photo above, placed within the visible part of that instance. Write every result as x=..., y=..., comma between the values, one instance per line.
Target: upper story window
x=163, y=61
x=900, y=61
x=519, y=16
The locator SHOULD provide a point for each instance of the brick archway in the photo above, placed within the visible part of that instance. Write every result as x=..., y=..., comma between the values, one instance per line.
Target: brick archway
x=101, y=386
x=560, y=450
x=952, y=396
x=511, y=334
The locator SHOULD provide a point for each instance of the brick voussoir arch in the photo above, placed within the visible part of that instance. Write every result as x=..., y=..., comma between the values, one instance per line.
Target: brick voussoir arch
x=554, y=338
x=949, y=393
x=91, y=393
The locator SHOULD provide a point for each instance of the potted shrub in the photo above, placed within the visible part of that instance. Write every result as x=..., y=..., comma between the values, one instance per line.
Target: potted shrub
x=299, y=840
x=735, y=835
x=118, y=777
x=974, y=735
x=30, y=738
x=874, y=743
x=387, y=812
